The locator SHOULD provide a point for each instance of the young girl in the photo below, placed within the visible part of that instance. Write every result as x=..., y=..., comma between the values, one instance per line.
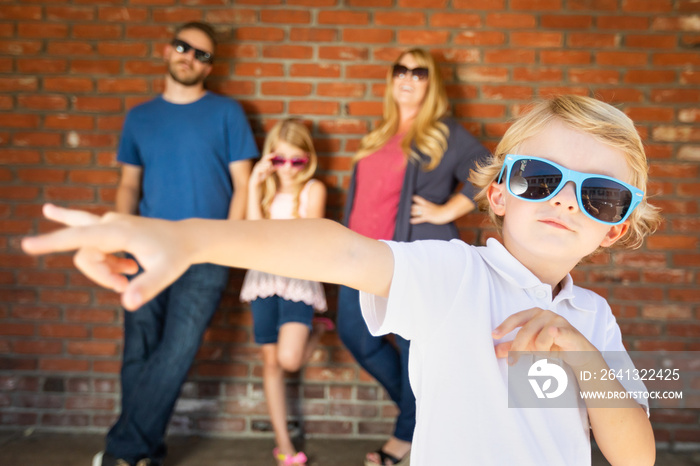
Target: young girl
x=281, y=187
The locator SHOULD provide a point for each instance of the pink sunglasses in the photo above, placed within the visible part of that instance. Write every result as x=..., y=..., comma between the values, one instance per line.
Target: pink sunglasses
x=296, y=162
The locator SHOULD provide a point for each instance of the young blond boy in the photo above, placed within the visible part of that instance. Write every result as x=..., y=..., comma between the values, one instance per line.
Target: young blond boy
x=455, y=302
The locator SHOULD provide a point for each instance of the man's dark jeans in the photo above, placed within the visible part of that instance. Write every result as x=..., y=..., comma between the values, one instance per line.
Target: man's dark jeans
x=161, y=340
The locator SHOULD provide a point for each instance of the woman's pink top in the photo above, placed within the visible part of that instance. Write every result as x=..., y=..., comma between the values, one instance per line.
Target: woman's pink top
x=263, y=285
x=378, y=184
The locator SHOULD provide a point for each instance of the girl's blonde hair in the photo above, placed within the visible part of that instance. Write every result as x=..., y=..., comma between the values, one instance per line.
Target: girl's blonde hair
x=427, y=134
x=587, y=115
x=294, y=133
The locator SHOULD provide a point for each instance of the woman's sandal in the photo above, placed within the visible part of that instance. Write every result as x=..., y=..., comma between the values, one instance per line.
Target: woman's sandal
x=289, y=460
x=383, y=456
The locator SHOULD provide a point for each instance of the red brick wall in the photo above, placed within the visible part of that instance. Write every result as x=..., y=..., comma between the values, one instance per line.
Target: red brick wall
x=71, y=70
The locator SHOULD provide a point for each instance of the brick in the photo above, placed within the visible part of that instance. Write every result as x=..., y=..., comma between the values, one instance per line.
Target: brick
x=340, y=89
x=63, y=331
x=594, y=76
x=455, y=20
x=536, y=39
x=97, y=104
x=42, y=102
x=475, y=110
x=34, y=347
x=594, y=5
x=90, y=315
x=122, y=49
x=507, y=92
x=676, y=59
x=93, y=67
x=69, y=13
x=65, y=420
x=18, y=84
x=399, y=18
x=20, y=47
x=236, y=16
x=620, y=23
x=371, y=36
x=519, y=56
x=343, y=53
x=567, y=21
x=18, y=192
x=365, y=108
x=683, y=96
x=41, y=65
x=650, y=113
x=41, y=31
x=647, y=41
x=475, y=74
x=122, y=85
x=647, y=6
x=423, y=37
x=19, y=13
x=70, y=48
x=686, y=330
x=63, y=84
x=287, y=51
x=622, y=58
x=537, y=5
x=177, y=15
x=94, y=176
x=262, y=107
x=36, y=139
x=18, y=120
x=366, y=72
x=511, y=20
x=260, y=34
x=345, y=18
x=285, y=88
x=676, y=133
x=68, y=157
x=149, y=32
x=289, y=16
x=97, y=31
x=537, y=74
x=650, y=76
x=41, y=175
x=484, y=5
x=32, y=312
x=92, y=348
x=480, y=38
x=592, y=40
x=313, y=34
x=122, y=14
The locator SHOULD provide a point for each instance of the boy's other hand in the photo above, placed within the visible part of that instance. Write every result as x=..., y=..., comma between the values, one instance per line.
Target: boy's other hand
x=544, y=331
x=154, y=243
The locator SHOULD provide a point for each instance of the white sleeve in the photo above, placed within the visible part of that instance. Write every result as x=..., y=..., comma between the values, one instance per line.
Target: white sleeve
x=427, y=277
x=616, y=357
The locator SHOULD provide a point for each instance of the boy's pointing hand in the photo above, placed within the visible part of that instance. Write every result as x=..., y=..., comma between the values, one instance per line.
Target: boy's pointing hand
x=96, y=239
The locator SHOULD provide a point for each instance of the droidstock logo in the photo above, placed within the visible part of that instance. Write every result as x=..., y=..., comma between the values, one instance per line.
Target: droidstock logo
x=541, y=374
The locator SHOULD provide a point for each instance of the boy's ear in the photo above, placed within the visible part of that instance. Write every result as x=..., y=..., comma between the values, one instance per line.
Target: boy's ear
x=614, y=234
x=496, y=195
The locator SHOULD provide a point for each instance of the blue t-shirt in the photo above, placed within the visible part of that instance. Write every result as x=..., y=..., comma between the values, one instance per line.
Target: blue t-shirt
x=185, y=152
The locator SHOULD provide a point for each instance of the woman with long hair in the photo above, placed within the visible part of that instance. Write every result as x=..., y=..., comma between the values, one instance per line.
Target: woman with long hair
x=404, y=188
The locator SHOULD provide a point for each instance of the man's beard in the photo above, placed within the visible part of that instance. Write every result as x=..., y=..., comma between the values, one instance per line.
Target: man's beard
x=193, y=81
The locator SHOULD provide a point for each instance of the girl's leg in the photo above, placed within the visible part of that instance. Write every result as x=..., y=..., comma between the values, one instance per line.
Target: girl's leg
x=275, y=396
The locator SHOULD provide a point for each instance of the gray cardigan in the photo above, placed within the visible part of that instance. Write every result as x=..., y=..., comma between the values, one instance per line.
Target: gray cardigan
x=437, y=185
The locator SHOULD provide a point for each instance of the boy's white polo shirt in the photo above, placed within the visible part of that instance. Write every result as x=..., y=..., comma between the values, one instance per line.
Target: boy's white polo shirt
x=447, y=297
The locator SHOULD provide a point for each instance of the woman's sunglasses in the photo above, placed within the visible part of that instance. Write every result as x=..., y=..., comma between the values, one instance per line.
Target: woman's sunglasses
x=295, y=162
x=183, y=47
x=417, y=74
x=604, y=199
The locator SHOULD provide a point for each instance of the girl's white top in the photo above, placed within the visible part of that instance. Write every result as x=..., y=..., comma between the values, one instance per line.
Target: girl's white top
x=258, y=284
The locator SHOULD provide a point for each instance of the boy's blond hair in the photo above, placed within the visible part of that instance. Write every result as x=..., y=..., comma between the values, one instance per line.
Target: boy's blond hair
x=590, y=116
x=294, y=133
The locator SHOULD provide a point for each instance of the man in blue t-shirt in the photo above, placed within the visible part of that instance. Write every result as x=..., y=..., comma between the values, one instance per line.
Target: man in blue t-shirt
x=184, y=154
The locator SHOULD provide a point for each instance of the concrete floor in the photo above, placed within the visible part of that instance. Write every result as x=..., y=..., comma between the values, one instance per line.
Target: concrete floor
x=54, y=449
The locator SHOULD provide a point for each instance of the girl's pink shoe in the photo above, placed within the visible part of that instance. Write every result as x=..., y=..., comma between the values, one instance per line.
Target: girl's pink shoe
x=325, y=322
x=289, y=460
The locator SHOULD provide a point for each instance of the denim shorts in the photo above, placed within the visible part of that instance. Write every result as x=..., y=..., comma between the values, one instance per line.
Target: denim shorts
x=269, y=314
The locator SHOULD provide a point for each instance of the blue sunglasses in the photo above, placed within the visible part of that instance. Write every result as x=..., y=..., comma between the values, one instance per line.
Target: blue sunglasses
x=604, y=199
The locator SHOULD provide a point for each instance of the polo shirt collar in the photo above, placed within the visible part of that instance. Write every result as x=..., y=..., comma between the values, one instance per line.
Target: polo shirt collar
x=511, y=270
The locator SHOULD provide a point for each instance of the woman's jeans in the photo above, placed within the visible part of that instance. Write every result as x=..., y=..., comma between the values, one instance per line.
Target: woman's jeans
x=161, y=340
x=378, y=356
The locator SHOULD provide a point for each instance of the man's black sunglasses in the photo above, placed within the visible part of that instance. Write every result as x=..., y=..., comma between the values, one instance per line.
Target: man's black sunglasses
x=183, y=47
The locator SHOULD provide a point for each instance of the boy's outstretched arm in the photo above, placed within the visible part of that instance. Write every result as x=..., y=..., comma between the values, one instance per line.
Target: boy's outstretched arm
x=315, y=249
x=622, y=429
